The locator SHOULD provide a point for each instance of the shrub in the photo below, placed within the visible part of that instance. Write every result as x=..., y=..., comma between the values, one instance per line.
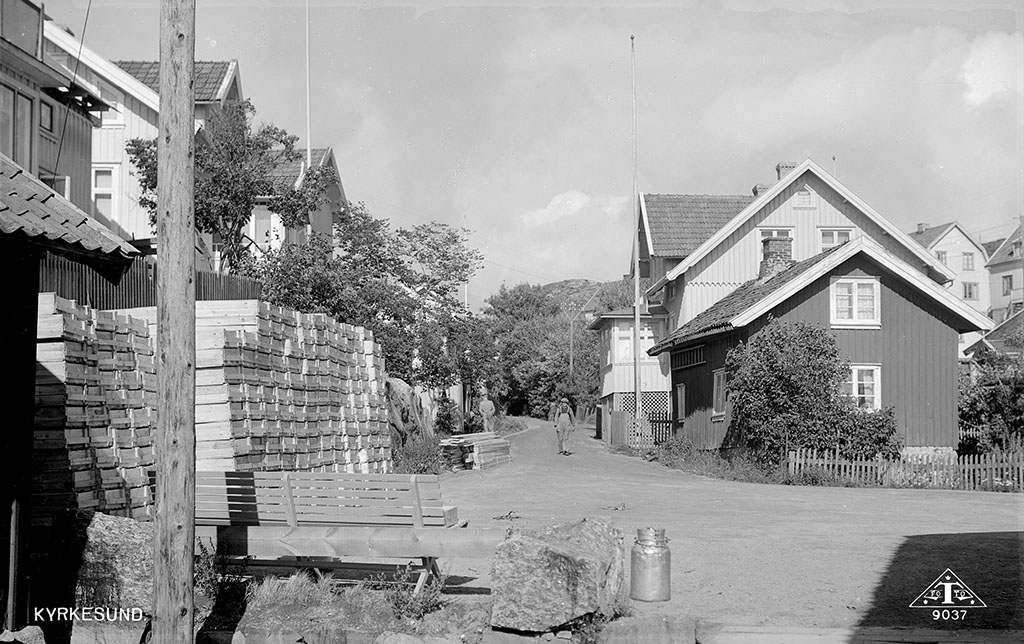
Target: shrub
x=865, y=434
x=449, y=418
x=419, y=456
x=400, y=595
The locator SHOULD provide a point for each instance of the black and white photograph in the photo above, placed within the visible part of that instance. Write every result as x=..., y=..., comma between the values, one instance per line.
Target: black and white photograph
x=512, y=322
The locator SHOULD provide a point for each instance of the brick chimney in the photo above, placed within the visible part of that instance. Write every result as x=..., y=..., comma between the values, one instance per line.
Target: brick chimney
x=776, y=256
x=784, y=168
x=761, y=188
x=922, y=227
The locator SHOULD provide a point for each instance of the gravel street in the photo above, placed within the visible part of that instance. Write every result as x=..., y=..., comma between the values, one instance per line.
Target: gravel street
x=764, y=555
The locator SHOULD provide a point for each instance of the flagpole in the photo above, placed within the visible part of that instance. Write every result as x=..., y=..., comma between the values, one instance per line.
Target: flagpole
x=309, y=133
x=636, y=246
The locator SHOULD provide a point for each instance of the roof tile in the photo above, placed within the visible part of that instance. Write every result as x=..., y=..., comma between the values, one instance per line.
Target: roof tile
x=29, y=207
x=681, y=223
x=929, y=236
x=209, y=76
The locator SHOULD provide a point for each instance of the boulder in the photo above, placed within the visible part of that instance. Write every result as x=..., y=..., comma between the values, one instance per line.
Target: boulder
x=405, y=412
x=27, y=635
x=117, y=563
x=546, y=577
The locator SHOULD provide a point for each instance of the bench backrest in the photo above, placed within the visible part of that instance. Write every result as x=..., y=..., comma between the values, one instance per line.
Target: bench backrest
x=318, y=498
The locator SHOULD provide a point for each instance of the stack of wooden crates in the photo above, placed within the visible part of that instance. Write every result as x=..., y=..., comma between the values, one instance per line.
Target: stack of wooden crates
x=95, y=394
x=275, y=390
x=281, y=390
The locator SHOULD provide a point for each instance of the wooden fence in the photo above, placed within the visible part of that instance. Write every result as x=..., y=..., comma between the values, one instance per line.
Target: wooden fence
x=623, y=430
x=137, y=288
x=993, y=472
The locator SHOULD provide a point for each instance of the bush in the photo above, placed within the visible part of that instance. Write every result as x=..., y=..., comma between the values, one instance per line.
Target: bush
x=865, y=434
x=419, y=456
x=399, y=594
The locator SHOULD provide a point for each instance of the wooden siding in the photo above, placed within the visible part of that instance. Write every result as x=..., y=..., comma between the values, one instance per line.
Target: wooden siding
x=698, y=425
x=131, y=221
x=916, y=348
x=617, y=359
x=75, y=153
x=737, y=259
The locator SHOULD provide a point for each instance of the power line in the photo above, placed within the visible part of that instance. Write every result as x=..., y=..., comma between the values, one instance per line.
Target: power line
x=74, y=79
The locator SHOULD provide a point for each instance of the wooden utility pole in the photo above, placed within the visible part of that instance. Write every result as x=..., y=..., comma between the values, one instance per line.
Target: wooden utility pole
x=636, y=246
x=174, y=542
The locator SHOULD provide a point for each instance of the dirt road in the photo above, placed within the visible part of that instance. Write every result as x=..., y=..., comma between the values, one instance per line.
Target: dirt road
x=750, y=554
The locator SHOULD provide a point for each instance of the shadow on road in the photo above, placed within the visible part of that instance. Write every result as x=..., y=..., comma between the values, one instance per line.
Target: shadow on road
x=988, y=563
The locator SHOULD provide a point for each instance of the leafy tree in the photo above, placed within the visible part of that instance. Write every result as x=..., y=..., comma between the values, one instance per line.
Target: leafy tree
x=785, y=384
x=991, y=403
x=233, y=171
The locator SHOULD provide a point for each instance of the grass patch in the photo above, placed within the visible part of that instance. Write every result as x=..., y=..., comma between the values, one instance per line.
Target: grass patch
x=508, y=425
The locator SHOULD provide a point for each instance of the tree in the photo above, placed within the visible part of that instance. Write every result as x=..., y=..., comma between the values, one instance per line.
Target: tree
x=991, y=403
x=233, y=171
x=401, y=285
x=786, y=383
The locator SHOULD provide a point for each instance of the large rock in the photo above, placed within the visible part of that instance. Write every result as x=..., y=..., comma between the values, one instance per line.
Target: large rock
x=546, y=577
x=405, y=412
x=27, y=635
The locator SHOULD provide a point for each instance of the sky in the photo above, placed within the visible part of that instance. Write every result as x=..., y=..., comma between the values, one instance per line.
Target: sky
x=515, y=120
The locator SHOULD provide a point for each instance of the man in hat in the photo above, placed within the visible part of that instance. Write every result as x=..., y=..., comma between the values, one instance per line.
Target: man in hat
x=565, y=424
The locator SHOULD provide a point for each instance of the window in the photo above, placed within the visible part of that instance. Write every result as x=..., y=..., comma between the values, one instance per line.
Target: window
x=832, y=237
x=941, y=255
x=1007, y=284
x=115, y=115
x=803, y=199
x=776, y=232
x=16, y=126
x=718, y=394
x=864, y=386
x=680, y=401
x=855, y=302
x=104, y=179
x=46, y=116
x=968, y=261
x=970, y=290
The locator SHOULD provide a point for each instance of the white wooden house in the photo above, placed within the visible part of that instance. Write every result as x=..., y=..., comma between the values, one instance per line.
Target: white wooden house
x=955, y=248
x=1006, y=270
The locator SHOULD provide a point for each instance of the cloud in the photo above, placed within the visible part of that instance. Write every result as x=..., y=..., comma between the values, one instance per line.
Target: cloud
x=561, y=206
x=994, y=66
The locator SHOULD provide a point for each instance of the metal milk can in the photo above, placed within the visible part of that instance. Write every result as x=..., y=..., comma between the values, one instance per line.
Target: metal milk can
x=650, y=578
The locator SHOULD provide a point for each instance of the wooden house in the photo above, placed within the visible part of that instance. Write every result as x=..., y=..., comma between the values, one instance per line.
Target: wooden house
x=33, y=220
x=131, y=89
x=807, y=205
x=955, y=248
x=265, y=227
x=1006, y=274
x=897, y=327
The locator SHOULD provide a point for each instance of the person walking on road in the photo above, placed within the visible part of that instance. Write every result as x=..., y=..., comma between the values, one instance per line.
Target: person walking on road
x=565, y=424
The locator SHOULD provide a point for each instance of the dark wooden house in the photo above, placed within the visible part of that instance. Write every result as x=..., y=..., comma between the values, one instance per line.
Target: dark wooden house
x=33, y=220
x=897, y=328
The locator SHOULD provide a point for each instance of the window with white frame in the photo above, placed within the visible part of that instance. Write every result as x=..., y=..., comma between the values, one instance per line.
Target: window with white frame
x=864, y=386
x=968, y=262
x=718, y=393
x=832, y=237
x=1007, y=284
x=104, y=191
x=803, y=198
x=941, y=256
x=855, y=302
x=114, y=117
x=970, y=290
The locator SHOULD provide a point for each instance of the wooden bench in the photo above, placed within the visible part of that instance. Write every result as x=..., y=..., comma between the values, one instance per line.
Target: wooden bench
x=317, y=519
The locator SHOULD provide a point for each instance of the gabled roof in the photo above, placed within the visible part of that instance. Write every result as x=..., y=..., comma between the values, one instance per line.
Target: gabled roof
x=929, y=236
x=678, y=224
x=288, y=173
x=992, y=246
x=211, y=83
x=1012, y=328
x=765, y=197
x=1003, y=253
x=30, y=209
x=758, y=297
x=652, y=312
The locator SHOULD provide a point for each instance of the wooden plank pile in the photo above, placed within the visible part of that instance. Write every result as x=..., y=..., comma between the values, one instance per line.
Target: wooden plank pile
x=281, y=390
x=478, y=451
x=95, y=395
